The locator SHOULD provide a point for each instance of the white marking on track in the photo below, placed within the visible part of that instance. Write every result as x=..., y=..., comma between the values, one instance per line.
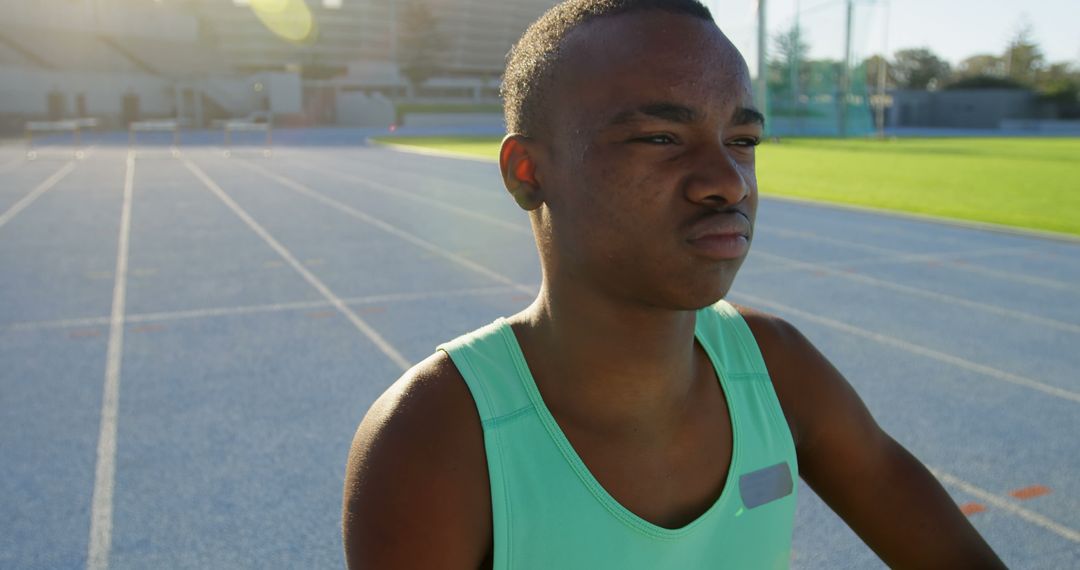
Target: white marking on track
x=377, y=168
x=1004, y=275
x=36, y=193
x=391, y=229
x=253, y=309
x=1007, y=505
x=917, y=349
x=373, y=335
x=410, y=149
x=105, y=472
x=907, y=258
x=12, y=164
x=426, y=201
x=57, y=324
x=1017, y=277
x=918, y=292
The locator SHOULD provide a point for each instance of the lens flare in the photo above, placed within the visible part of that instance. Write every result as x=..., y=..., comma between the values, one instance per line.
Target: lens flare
x=291, y=20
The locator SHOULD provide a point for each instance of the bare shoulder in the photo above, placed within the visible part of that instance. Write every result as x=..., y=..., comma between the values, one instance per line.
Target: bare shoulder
x=810, y=389
x=416, y=484
x=772, y=332
x=869, y=479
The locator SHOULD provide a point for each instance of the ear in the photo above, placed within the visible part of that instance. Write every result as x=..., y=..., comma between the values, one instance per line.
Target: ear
x=518, y=167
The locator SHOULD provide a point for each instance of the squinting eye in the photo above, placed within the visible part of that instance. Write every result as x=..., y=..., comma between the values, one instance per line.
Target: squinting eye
x=657, y=139
x=748, y=142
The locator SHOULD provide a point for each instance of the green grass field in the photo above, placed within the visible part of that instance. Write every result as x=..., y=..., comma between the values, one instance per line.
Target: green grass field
x=1028, y=183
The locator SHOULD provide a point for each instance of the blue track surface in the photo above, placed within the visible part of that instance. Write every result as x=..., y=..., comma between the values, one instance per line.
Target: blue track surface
x=240, y=378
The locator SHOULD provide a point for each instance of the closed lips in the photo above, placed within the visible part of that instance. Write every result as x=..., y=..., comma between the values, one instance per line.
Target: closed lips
x=721, y=225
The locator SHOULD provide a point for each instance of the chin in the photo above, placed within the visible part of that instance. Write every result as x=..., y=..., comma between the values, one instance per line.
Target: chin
x=695, y=298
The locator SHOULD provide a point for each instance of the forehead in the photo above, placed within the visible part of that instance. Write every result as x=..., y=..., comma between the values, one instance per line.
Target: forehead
x=618, y=61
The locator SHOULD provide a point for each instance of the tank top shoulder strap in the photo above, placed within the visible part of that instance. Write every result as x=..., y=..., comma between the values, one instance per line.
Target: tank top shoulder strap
x=487, y=361
x=723, y=329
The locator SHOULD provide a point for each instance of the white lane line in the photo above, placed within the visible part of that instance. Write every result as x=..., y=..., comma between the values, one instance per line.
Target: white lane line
x=58, y=324
x=104, y=474
x=373, y=335
x=374, y=165
x=410, y=149
x=945, y=257
x=426, y=201
x=36, y=192
x=1007, y=505
x=12, y=164
x=907, y=258
x=916, y=349
x=254, y=309
x=918, y=292
x=1019, y=278
x=390, y=229
x=301, y=305
x=1004, y=275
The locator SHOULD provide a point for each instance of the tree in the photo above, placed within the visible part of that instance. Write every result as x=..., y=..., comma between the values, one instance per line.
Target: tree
x=1059, y=84
x=420, y=43
x=920, y=69
x=790, y=47
x=985, y=82
x=1058, y=78
x=1023, y=58
x=873, y=68
x=788, y=71
x=985, y=65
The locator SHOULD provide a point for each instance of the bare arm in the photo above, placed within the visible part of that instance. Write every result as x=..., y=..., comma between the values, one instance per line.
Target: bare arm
x=883, y=492
x=416, y=487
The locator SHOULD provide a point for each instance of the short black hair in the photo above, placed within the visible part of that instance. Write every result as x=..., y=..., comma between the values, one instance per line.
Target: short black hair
x=530, y=62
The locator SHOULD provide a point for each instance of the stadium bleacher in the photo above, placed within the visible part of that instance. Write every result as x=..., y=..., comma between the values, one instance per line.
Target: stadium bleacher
x=10, y=55
x=169, y=58
x=67, y=50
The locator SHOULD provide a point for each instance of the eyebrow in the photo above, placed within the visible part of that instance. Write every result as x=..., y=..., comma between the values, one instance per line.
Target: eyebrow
x=676, y=113
x=747, y=116
x=667, y=111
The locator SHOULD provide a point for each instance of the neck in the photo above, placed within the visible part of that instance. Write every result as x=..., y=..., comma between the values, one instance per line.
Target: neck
x=611, y=363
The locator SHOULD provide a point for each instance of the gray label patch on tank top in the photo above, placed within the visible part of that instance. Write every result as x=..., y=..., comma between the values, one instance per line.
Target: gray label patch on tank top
x=765, y=485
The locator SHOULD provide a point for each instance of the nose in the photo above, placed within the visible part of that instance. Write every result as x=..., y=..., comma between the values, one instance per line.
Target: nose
x=719, y=178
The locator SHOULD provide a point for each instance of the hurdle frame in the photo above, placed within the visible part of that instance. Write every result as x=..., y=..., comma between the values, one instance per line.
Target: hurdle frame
x=229, y=126
x=156, y=125
x=75, y=126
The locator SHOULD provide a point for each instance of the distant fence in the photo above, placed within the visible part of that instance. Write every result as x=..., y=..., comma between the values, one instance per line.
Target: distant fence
x=1055, y=127
x=452, y=119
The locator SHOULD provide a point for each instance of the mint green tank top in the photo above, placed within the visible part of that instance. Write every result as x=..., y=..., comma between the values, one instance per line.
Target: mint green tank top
x=548, y=510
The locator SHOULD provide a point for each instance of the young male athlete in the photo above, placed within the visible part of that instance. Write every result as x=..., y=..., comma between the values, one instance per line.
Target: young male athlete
x=630, y=418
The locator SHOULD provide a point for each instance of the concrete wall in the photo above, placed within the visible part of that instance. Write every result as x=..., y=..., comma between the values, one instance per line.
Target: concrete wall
x=355, y=109
x=24, y=94
x=961, y=108
x=283, y=92
x=1049, y=127
x=158, y=20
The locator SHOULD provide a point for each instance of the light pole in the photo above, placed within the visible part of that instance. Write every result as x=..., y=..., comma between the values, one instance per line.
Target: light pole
x=845, y=81
x=882, y=71
x=762, y=99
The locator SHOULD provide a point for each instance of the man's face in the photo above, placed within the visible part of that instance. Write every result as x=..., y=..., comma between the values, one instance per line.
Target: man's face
x=648, y=168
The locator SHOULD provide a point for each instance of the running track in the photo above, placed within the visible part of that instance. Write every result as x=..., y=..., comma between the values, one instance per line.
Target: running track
x=188, y=341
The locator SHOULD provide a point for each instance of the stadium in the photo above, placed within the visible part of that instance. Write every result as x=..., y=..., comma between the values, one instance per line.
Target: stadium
x=226, y=227
x=304, y=64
